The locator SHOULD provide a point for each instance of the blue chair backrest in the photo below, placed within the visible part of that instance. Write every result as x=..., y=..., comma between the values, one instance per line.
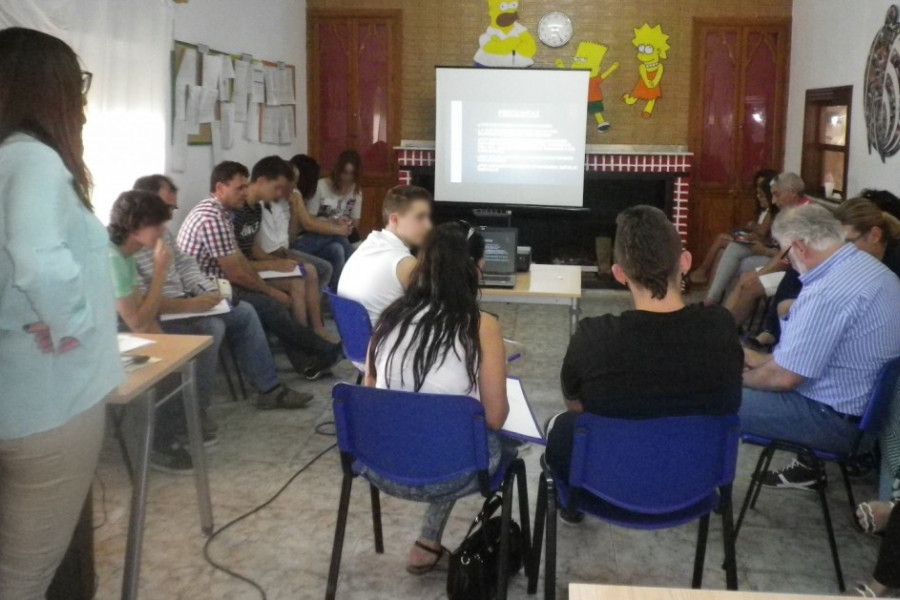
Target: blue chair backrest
x=879, y=404
x=409, y=438
x=654, y=466
x=353, y=324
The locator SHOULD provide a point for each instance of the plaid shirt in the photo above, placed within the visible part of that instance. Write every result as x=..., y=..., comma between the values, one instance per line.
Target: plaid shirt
x=208, y=234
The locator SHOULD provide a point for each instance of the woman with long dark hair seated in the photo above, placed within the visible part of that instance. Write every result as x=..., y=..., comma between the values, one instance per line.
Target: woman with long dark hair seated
x=435, y=339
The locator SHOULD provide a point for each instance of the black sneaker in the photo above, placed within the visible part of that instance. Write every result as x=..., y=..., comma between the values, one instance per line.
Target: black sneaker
x=797, y=475
x=174, y=459
x=571, y=517
x=322, y=366
x=283, y=397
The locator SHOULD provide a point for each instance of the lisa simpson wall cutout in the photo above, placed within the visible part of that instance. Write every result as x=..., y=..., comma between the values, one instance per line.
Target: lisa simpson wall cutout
x=506, y=42
x=590, y=56
x=882, y=104
x=652, y=47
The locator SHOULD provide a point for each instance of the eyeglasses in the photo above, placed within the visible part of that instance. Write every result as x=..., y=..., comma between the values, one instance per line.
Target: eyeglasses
x=86, y=78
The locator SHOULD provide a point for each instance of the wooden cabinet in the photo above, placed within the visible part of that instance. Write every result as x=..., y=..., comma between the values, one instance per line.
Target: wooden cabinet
x=737, y=119
x=354, y=101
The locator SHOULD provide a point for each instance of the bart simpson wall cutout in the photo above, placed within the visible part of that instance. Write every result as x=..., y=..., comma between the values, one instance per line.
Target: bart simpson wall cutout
x=590, y=56
x=506, y=43
x=652, y=48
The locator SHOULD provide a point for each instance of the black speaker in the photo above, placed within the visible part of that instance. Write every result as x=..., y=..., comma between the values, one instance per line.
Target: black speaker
x=523, y=259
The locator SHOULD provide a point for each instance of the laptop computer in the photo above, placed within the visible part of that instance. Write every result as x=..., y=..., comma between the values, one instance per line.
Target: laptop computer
x=499, y=256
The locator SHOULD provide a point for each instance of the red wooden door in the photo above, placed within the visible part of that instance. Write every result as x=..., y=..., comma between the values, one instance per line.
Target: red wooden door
x=354, y=100
x=738, y=119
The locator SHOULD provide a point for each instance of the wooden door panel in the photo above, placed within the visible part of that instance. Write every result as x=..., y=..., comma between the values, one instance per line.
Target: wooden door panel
x=720, y=79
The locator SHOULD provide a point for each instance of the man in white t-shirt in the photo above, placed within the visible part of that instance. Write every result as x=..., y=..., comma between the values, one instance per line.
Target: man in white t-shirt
x=379, y=270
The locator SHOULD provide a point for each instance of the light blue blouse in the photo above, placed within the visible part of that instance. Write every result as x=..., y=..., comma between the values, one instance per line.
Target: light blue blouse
x=54, y=269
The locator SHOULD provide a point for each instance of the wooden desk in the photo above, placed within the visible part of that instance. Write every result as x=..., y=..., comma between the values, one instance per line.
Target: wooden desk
x=579, y=591
x=557, y=285
x=176, y=354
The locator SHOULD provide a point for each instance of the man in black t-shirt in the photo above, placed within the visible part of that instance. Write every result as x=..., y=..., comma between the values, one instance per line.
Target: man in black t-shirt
x=663, y=359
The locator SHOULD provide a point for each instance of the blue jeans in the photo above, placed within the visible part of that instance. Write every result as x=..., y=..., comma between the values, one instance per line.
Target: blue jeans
x=335, y=249
x=792, y=417
x=441, y=497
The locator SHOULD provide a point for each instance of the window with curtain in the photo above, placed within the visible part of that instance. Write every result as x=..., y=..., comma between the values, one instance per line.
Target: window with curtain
x=125, y=44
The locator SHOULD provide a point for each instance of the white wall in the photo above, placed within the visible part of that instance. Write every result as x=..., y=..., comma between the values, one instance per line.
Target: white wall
x=269, y=30
x=830, y=47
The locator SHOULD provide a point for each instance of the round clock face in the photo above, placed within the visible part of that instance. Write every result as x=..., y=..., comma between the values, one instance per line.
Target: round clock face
x=555, y=29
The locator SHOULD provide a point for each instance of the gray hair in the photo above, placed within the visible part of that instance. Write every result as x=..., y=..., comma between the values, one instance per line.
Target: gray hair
x=811, y=224
x=789, y=181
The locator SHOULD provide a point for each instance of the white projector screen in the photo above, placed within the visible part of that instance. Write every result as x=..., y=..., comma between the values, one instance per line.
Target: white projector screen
x=510, y=136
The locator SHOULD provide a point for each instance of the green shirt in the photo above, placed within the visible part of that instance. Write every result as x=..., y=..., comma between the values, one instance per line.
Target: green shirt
x=124, y=272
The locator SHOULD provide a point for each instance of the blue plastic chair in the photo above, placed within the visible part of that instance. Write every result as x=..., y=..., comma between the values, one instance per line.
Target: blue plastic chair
x=418, y=439
x=870, y=424
x=643, y=474
x=352, y=320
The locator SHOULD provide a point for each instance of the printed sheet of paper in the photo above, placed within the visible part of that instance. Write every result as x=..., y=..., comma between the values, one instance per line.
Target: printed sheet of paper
x=192, y=114
x=179, y=146
x=128, y=342
x=212, y=70
x=187, y=70
x=258, y=84
x=206, y=113
x=180, y=92
x=286, y=86
x=251, y=129
x=298, y=272
x=225, y=78
x=520, y=424
x=219, y=309
x=287, y=128
x=273, y=83
x=226, y=110
x=218, y=154
x=271, y=125
x=240, y=93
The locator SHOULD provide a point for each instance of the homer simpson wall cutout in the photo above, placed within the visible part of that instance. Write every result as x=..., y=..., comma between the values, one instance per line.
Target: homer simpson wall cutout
x=506, y=43
x=590, y=56
x=652, y=48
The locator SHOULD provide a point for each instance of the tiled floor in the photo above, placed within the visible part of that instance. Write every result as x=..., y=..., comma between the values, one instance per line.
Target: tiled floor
x=286, y=547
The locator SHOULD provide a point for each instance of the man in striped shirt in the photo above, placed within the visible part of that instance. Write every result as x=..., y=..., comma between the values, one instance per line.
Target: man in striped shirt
x=208, y=235
x=842, y=329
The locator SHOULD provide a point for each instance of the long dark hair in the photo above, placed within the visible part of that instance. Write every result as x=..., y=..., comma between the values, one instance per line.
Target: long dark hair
x=40, y=94
x=444, y=289
x=347, y=157
x=308, y=173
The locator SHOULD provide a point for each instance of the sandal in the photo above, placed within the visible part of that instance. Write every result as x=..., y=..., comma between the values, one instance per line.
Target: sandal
x=423, y=569
x=866, y=591
x=865, y=516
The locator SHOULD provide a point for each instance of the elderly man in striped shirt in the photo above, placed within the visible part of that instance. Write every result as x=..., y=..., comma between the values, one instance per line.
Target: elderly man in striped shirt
x=843, y=328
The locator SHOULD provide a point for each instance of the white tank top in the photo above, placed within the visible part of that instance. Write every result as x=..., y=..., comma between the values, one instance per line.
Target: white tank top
x=449, y=377
x=370, y=275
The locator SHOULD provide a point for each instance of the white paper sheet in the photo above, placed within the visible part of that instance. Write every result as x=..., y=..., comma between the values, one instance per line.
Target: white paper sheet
x=240, y=107
x=286, y=126
x=215, y=129
x=271, y=123
x=272, y=78
x=206, y=112
x=128, y=342
x=240, y=91
x=226, y=111
x=219, y=309
x=251, y=129
x=286, y=86
x=179, y=146
x=180, y=101
x=225, y=78
x=212, y=70
x=192, y=111
x=258, y=84
x=298, y=272
x=187, y=70
x=520, y=424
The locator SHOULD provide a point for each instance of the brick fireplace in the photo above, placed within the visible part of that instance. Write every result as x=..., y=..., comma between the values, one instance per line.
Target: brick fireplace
x=673, y=161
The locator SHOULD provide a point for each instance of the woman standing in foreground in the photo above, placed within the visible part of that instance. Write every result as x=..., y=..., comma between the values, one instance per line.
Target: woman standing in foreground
x=58, y=352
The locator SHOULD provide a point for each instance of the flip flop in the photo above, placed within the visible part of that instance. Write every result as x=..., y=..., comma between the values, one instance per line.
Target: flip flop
x=865, y=517
x=423, y=569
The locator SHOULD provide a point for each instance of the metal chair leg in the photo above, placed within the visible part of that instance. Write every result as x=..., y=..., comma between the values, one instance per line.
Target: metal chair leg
x=829, y=529
x=223, y=364
x=700, y=552
x=524, y=515
x=770, y=455
x=729, y=536
x=506, y=518
x=237, y=370
x=376, y=519
x=540, y=520
x=339, y=531
x=550, y=561
x=754, y=481
x=849, y=487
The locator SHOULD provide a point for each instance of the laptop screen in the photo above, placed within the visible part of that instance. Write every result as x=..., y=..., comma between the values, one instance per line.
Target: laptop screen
x=499, y=250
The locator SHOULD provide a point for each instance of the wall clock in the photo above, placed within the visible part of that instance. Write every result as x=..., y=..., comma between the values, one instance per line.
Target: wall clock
x=555, y=29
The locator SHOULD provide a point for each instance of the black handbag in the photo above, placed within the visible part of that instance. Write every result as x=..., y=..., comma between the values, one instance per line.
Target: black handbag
x=475, y=565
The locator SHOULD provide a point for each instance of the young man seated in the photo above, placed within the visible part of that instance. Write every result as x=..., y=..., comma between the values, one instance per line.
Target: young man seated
x=379, y=270
x=662, y=359
x=187, y=290
x=270, y=179
x=208, y=235
x=137, y=230
x=843, y=327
